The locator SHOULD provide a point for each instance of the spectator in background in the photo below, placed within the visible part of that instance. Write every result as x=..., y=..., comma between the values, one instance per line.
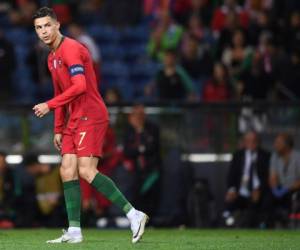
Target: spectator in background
x=155, y=7
x=195, y=58
x=37, y=61
x=261, y=25
x=7, y=193
x=196, y=28
x=247, y=183
x=220, y=15
x=237, y=57
x=118, y=120
x=224, y=38
x=255, y=7
x=270, y=62
x=284, y=176
x=262, y=80
x=77, y=32
x=63, y=11
x=172, y=82
x=178, y=8
x=202, y=9
x=142, y=157
x=290, y=88
x=112, y=96
x=217, y=89
x=21, y=13
x=166, y=35
x=292, y=32
x=253, y=84
x=7, y=67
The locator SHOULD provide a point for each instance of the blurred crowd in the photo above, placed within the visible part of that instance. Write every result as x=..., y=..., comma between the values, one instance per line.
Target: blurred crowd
x=191, y=50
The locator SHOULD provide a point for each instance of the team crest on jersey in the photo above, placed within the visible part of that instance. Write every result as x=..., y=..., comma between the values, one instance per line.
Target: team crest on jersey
x=59, y=62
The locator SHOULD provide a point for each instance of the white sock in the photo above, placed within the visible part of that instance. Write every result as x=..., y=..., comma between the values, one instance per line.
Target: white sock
x=74, y=230
x=131, y=214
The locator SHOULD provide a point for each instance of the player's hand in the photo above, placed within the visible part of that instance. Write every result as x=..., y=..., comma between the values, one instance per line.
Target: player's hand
x=57, y=141
x=41, y=109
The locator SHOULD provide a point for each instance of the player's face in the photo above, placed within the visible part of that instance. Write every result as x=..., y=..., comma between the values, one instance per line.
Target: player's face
x=47, y=29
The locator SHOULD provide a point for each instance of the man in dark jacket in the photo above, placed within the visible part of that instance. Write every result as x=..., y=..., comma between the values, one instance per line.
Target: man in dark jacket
x=247, y=182
x=142, y=153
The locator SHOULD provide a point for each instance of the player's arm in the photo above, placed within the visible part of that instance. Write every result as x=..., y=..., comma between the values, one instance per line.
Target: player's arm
x=59, y=113
x=75, y=64
x=78, y=87
x=59, y=120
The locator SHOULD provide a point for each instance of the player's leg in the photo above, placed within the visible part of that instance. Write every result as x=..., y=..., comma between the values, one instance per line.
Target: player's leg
x=89, y=172
x=103, y=184
x=69, y=176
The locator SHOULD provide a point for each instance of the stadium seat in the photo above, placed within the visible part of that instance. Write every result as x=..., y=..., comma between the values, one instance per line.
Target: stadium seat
x=134, y=52
x=114, y=68
x=135, y=34
x=111, y=52
x=144, y=69
x=104, y=33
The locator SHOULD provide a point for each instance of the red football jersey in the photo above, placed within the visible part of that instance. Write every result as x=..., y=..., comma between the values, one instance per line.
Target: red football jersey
x=76, y=95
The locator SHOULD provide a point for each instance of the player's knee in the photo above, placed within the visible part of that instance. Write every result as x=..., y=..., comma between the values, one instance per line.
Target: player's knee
x=67, y=172
x=84, y=173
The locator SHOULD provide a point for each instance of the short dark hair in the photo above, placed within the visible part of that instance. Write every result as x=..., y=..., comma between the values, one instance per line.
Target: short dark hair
x=43, y=12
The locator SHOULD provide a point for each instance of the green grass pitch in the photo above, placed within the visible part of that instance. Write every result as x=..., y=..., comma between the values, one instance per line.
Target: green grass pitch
x=155, y=239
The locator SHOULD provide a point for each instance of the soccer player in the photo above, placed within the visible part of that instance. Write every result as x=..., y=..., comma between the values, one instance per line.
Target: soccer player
x=80, y=124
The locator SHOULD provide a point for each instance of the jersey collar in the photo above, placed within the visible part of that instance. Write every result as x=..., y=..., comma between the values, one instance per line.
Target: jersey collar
x=61, y=41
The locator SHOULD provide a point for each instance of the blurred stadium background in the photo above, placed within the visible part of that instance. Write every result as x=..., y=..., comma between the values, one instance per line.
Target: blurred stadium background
x=234, y=68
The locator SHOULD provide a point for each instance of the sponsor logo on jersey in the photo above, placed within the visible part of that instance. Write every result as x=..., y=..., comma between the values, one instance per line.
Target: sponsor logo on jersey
x=76, y=69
